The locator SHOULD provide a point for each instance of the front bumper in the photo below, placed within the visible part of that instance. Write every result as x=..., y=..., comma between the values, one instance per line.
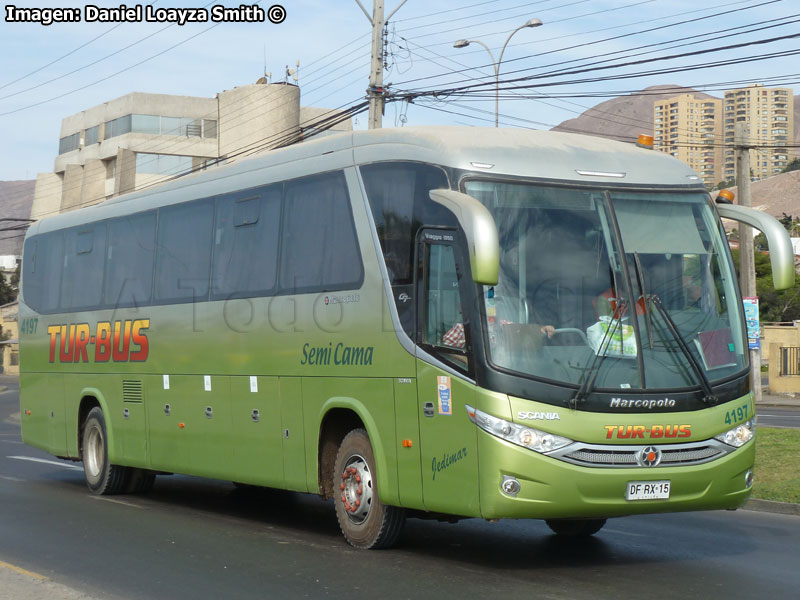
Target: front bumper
x=552, y=488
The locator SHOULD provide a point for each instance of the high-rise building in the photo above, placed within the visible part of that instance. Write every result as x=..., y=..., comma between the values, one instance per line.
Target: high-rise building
x=690, y=129
x=768, y=114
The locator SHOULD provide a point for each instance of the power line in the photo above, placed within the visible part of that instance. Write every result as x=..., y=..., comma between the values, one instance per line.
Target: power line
x=560, y=73
x=610, y=39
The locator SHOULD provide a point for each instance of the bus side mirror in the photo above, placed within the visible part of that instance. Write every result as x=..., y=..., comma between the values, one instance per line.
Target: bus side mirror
x=781, y=253
x=480, y=230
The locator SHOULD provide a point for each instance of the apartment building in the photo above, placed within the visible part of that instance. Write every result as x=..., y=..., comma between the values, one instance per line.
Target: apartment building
x=141, y=139
x=690, y=129
x=768, y=114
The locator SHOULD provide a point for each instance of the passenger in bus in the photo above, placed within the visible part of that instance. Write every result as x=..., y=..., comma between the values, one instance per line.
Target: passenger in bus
x=503, y=321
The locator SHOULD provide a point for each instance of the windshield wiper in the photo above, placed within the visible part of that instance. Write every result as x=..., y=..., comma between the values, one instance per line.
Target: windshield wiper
x=640, y=279
x=591, y=374
x=705, y=383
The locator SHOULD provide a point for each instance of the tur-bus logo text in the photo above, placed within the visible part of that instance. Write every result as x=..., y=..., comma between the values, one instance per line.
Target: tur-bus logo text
x=117, y=341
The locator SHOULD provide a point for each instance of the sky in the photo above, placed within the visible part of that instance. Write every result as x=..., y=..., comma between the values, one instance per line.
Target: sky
x=48, y=72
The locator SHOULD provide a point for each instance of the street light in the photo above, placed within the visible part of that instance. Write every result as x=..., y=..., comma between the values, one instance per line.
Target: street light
x=464, y=43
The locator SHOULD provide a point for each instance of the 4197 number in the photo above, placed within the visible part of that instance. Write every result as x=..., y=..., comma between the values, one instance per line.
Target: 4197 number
x=737, y=415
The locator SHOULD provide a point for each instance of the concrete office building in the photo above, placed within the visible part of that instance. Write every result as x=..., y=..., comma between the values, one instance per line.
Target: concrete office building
x=690, y=129
x=769, y=117
x=142, y=139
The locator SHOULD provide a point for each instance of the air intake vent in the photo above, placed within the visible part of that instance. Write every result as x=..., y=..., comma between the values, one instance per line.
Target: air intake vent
x=132, y=391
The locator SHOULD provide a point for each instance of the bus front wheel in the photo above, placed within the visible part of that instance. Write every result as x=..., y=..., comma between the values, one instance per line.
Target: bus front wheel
x=575, y=527
x=365, y=521
x=102, y=478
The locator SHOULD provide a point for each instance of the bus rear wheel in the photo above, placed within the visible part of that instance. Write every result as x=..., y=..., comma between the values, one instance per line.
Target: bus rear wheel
x=575, y=527
x=365, y=521
x=102, y=477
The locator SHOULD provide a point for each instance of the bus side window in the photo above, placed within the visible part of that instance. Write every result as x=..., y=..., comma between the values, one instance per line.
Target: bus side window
x=319, y=249
x=84, y=259
x=129, y=260
x=246, y=244
x=183, y=258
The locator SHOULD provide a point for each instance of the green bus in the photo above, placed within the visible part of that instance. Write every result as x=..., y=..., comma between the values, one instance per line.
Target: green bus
x=443, y=322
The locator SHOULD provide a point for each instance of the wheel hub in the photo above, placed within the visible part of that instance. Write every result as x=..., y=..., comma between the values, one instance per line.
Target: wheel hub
x=93, y=452
x=356, y=488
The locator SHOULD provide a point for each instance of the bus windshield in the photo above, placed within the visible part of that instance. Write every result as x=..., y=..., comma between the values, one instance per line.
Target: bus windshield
x=633, y=289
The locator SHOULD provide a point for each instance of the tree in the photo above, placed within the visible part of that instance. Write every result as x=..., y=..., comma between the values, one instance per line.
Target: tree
x=791, y=224
x=728, y=183
x=7, y=293
x=15, y=277
x=773, y=305
x=792, y=166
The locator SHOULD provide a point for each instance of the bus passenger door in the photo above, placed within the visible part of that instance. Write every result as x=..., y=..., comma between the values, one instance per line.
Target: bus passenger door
x=448, y=438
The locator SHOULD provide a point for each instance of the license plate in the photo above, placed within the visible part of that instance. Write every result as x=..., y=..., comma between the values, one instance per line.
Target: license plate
x=647, y=490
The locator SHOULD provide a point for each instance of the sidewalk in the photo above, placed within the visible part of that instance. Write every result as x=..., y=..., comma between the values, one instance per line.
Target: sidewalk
x=18, y=584
x=779, y=400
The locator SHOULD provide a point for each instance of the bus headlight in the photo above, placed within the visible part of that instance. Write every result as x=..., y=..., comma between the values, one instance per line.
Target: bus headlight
x=527, y=437
x=739, y=435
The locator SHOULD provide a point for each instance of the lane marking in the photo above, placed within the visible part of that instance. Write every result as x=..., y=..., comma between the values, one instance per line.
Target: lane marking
x=779, y=416
x=47, y=462
x=22, y=571
x=9, y=478
x=131, y=504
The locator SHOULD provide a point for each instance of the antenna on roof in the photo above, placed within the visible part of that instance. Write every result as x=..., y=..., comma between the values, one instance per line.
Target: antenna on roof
x=267, y=74
x=292, y=72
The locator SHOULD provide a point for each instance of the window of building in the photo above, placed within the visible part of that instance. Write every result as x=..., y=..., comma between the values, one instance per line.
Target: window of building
x=162, y=164
x=69, y=143
x=92, y=135
x=161, y=125
x=146, y=124
x=174, y=125
x=119, y=126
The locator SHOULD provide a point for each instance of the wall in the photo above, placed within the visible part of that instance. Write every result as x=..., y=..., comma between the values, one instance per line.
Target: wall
x=47, y=195
x=787, y=384
x=10, y=325
x=785, y=335
x=257, y=117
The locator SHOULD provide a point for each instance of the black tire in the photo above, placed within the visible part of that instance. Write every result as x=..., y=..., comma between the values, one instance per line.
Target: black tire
x=575, y=527
x=102, y=478
x=139, y=481
x=365, y=521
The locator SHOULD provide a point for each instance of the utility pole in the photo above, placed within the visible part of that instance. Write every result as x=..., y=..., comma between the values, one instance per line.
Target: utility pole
x=375, y=91
x=747, y=268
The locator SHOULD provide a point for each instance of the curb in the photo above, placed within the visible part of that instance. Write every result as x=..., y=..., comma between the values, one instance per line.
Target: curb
x=781, y=508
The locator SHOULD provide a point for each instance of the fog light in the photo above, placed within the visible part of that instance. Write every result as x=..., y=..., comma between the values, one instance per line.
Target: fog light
x=748, y=479
x=510, y=486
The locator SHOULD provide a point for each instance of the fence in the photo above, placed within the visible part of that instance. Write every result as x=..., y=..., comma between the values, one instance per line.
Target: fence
x=790, y=361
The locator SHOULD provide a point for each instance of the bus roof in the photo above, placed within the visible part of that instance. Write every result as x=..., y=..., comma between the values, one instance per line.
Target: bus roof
x=549, y=155
x=527, y=153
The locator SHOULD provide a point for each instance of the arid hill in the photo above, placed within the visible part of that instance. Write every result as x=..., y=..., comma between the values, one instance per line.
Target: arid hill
x=624, y=118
